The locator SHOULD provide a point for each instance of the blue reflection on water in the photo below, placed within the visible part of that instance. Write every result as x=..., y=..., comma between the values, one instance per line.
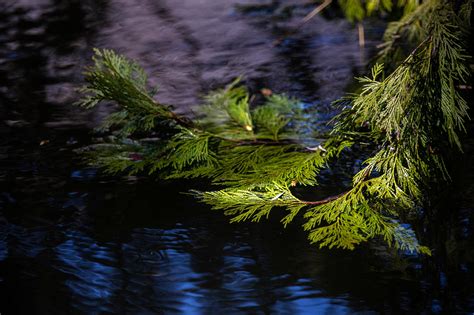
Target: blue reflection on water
x=155, y=271
x=92, y=283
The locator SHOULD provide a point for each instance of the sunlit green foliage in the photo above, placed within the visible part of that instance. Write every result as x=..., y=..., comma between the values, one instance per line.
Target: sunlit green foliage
x=115, y=78
x=255, y=154
x=357, y=10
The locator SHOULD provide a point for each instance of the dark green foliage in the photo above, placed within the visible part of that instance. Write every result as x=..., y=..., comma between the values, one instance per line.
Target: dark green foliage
x=256, y=153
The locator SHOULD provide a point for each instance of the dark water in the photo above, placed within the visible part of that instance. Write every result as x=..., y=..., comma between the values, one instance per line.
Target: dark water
x=73, y=241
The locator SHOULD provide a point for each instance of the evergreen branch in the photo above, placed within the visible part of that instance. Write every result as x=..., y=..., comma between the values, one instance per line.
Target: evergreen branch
x=407, y=116
x=187, y=148
x=250, y=204
x=286, y=165
x=115, y=78
x=228, y=110
x=356, y=216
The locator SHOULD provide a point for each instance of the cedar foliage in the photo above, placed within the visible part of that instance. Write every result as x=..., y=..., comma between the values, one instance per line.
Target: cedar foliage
x=256, y=156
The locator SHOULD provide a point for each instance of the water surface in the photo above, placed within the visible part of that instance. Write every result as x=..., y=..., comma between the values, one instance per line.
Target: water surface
x=74, y=241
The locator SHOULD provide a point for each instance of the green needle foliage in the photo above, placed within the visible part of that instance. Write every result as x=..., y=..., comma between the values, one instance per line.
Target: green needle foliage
x=357, y=10
x=256, y=155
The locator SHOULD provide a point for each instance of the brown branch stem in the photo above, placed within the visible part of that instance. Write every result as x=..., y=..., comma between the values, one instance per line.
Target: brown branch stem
x=325, y=200
x=256, y=141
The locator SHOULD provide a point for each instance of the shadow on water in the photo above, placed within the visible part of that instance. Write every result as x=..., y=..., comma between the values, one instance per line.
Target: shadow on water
x=38, y=54
x=73, y=241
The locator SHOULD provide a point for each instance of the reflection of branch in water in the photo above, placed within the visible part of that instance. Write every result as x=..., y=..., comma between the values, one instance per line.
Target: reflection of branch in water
x=307, y=18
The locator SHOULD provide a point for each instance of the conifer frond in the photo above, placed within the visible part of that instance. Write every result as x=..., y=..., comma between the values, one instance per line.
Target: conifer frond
x=465, y=13
x=394, y=108
x=354, y=217
x=228, y=111
x=273, y=117
x=353, y=9
x=409, y=5
x=117, y=79
x=189, y=147
x=240, y=161
x=283, y=104
x=358, y=215
x=401, y=36
x=294, y=167
x=250, y=205
x=270, y=120
x=117, y=158
x=257, y=155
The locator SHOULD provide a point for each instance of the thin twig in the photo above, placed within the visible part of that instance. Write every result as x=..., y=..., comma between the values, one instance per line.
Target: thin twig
x=313, y=13
x=427, y=39
x=181, y=120
x=256, y=141
x=308, y=17
x=326, y=200
x=360, y=28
